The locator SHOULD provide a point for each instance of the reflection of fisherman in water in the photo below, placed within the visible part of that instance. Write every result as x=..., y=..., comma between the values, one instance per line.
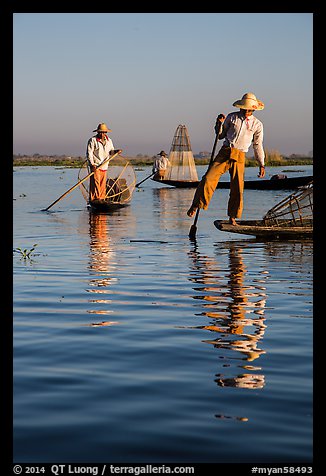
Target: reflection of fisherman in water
x=230, y=303
x=240, y=306
x=101, y=264
x=101, y=254
x=242, y=381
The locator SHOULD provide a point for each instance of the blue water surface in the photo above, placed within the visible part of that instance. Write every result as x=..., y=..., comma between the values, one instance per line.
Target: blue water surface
x=133, y=344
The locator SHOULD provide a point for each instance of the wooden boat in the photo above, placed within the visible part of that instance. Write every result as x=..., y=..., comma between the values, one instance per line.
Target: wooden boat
x=259, y=229
x=291, y=218
x=288, y=183
x=105, y=205
x=120, y=185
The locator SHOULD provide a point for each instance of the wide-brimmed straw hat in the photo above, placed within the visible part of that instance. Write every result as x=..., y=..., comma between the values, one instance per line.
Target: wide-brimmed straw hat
x=249, y=101
x=102, y=127
x=162, y=153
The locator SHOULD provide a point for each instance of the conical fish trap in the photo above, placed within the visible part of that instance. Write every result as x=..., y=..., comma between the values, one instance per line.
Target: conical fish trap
x=120, y=182
x=294, y=210
x=182, y=163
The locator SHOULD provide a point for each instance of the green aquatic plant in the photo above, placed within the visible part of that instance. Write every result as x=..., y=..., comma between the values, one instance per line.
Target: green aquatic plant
x=26, y=253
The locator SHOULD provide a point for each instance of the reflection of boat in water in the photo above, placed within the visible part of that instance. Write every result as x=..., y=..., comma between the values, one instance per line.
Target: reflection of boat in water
x=120, y=185
x=292, y=218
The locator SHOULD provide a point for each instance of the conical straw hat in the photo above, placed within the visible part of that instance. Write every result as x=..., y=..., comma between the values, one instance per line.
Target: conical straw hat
x=249, y=101
x=102, y=127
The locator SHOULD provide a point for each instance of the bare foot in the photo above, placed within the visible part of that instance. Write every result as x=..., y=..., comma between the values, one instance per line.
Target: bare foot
x=232, y=221
x=191, y=211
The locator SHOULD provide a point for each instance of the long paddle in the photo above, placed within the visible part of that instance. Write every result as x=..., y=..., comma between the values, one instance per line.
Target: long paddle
x=78, y=183
x=193, y=228
x=151, y=175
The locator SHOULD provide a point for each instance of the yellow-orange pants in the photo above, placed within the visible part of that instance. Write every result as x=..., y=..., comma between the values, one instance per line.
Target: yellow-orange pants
x=230, y=159
x=97, y=185
x=159, y=174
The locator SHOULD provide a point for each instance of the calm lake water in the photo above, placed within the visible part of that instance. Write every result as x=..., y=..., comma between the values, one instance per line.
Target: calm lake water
x=134, y=344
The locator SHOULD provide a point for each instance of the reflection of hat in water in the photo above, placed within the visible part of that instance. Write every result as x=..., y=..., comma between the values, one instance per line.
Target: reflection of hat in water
x=102, y=127
x=249, y=101
x=162, y=153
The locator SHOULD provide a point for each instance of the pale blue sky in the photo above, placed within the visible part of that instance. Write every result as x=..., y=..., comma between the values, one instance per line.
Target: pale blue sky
x=143, y=74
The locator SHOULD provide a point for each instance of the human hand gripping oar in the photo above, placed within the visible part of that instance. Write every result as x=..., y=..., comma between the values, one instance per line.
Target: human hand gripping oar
x=80, y=181
x=218, y=126
x=151, y=175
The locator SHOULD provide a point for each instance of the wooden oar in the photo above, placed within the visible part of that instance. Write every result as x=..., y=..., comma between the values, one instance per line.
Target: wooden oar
x=78, y=183
x=193, y=228
x=151, y=175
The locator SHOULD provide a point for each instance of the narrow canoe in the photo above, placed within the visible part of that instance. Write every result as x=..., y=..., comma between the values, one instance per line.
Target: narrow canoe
x=259, y=184
x=259, y=229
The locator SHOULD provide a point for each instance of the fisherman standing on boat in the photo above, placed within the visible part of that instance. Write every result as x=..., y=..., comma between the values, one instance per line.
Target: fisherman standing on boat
x=240, y=130
x=99, y=148
x=160, y=165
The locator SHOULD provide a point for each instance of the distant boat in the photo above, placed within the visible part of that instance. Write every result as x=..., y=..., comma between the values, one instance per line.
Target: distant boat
x=288, y=183
x=182, y=168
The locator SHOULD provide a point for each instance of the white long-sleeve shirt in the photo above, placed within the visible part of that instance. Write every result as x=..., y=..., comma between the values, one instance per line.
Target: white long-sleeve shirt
x=160, y=163
x=240, y=132
x=97, y=151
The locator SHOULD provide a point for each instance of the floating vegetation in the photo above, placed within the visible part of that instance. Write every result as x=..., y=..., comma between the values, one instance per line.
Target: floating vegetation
x=26, y=253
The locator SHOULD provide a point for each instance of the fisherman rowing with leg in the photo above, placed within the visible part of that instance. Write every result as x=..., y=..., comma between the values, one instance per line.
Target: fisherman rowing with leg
x=240, y=130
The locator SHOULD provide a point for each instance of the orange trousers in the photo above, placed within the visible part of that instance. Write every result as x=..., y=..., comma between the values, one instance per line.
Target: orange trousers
x=159, y=174
x=97, y=185
x=227, y=159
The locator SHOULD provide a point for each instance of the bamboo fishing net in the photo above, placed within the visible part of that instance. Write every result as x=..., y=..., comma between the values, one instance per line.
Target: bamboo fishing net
x=294, y=210
x=120, y=182
x=182, y=163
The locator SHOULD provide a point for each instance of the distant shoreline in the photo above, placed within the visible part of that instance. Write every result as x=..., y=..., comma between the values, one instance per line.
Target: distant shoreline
x=77, y=162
